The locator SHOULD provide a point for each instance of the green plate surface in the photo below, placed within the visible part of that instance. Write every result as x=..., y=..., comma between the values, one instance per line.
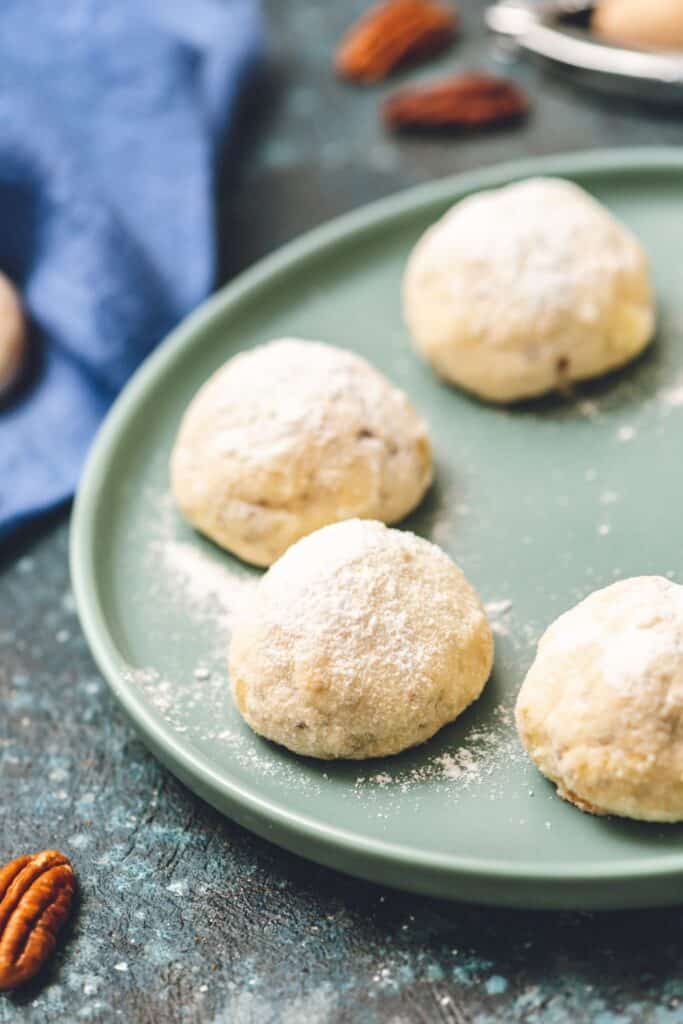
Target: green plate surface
x=539, y=504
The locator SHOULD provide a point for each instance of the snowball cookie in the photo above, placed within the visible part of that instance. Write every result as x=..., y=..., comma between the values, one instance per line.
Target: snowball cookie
x=12, y=335
x=359, y=642
x=601, y=710
x=655, y=25
x=291, y=436
x=520, y=290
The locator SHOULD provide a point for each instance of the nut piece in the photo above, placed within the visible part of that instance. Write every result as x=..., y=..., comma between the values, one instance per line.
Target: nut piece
x=463, y=101
x=35, y=896
x=13, y=334
x=391, y=34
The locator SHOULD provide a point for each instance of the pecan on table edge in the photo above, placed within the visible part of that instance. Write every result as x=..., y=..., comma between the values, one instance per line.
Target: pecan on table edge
x=36, y=892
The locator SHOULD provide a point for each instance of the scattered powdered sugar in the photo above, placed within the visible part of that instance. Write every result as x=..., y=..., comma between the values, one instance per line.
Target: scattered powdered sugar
x=208, y=588
x=531, y=633
x=202, y=710
x=459, y=764
x=671, y=396
x=166, y=695
x=588, y=408
x=381, y=779
x=211, y=591
x=484, y=754
x=487, y=749
x=668, y=396
x=497, y=611
x=450, y=509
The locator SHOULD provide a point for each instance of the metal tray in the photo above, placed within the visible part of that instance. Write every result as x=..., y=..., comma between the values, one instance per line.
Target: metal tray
x=558, y=31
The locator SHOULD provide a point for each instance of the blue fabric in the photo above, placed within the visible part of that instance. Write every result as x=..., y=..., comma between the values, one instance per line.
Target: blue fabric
x=111, y=119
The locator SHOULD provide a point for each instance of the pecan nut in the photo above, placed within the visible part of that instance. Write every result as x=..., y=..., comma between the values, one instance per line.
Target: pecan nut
x=36, y=891
x=463, y=101
x=391, y=34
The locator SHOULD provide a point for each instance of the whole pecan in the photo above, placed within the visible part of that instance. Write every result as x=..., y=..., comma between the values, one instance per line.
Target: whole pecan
x=391, y=34
x=463, y=101
x=35, y=897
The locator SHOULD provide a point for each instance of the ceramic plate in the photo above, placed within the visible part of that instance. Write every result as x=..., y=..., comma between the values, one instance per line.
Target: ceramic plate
x=539, y=504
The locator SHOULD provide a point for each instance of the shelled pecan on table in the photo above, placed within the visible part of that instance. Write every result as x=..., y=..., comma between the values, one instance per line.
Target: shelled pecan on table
x=471, y=100
x=392, y=34
x=36, y=892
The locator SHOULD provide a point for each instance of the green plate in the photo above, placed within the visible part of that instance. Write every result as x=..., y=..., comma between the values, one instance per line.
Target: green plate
x=539, y=504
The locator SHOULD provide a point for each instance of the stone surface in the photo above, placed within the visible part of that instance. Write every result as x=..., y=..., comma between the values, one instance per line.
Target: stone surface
x=183, y=916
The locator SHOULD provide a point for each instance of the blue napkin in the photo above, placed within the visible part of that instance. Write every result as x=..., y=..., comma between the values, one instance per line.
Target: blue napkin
x=111, y=119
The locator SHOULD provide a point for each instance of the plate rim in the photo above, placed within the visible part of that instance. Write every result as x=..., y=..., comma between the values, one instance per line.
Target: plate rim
x=169, y=747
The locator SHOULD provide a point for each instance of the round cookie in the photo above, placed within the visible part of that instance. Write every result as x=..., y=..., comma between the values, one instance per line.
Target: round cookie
x=291, y=436
x=360, y=641
x=12, y=335
x=601, y=709
x=520, y=290
x=655, y=25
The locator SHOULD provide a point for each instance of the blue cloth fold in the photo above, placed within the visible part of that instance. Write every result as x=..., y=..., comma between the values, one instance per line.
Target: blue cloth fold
x=111, y=120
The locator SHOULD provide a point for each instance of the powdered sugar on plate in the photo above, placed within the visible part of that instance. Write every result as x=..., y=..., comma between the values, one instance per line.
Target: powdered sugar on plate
x=671, y=396
x=497, y=612
x=481, y=756
x=177, y=702
x=210, y=588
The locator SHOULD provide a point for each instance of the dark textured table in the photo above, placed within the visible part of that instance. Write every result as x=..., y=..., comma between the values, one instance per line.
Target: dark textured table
x=183, y=916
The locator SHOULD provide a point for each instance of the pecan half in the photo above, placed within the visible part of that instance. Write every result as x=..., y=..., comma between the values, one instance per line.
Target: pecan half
x=463, y=101
x=391, y=34
x=35, y=897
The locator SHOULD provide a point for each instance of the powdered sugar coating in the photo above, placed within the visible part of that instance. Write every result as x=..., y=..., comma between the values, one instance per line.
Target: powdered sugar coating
x=601, y=709
x=291, y=436
x=359, y=642
x=520, y=290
